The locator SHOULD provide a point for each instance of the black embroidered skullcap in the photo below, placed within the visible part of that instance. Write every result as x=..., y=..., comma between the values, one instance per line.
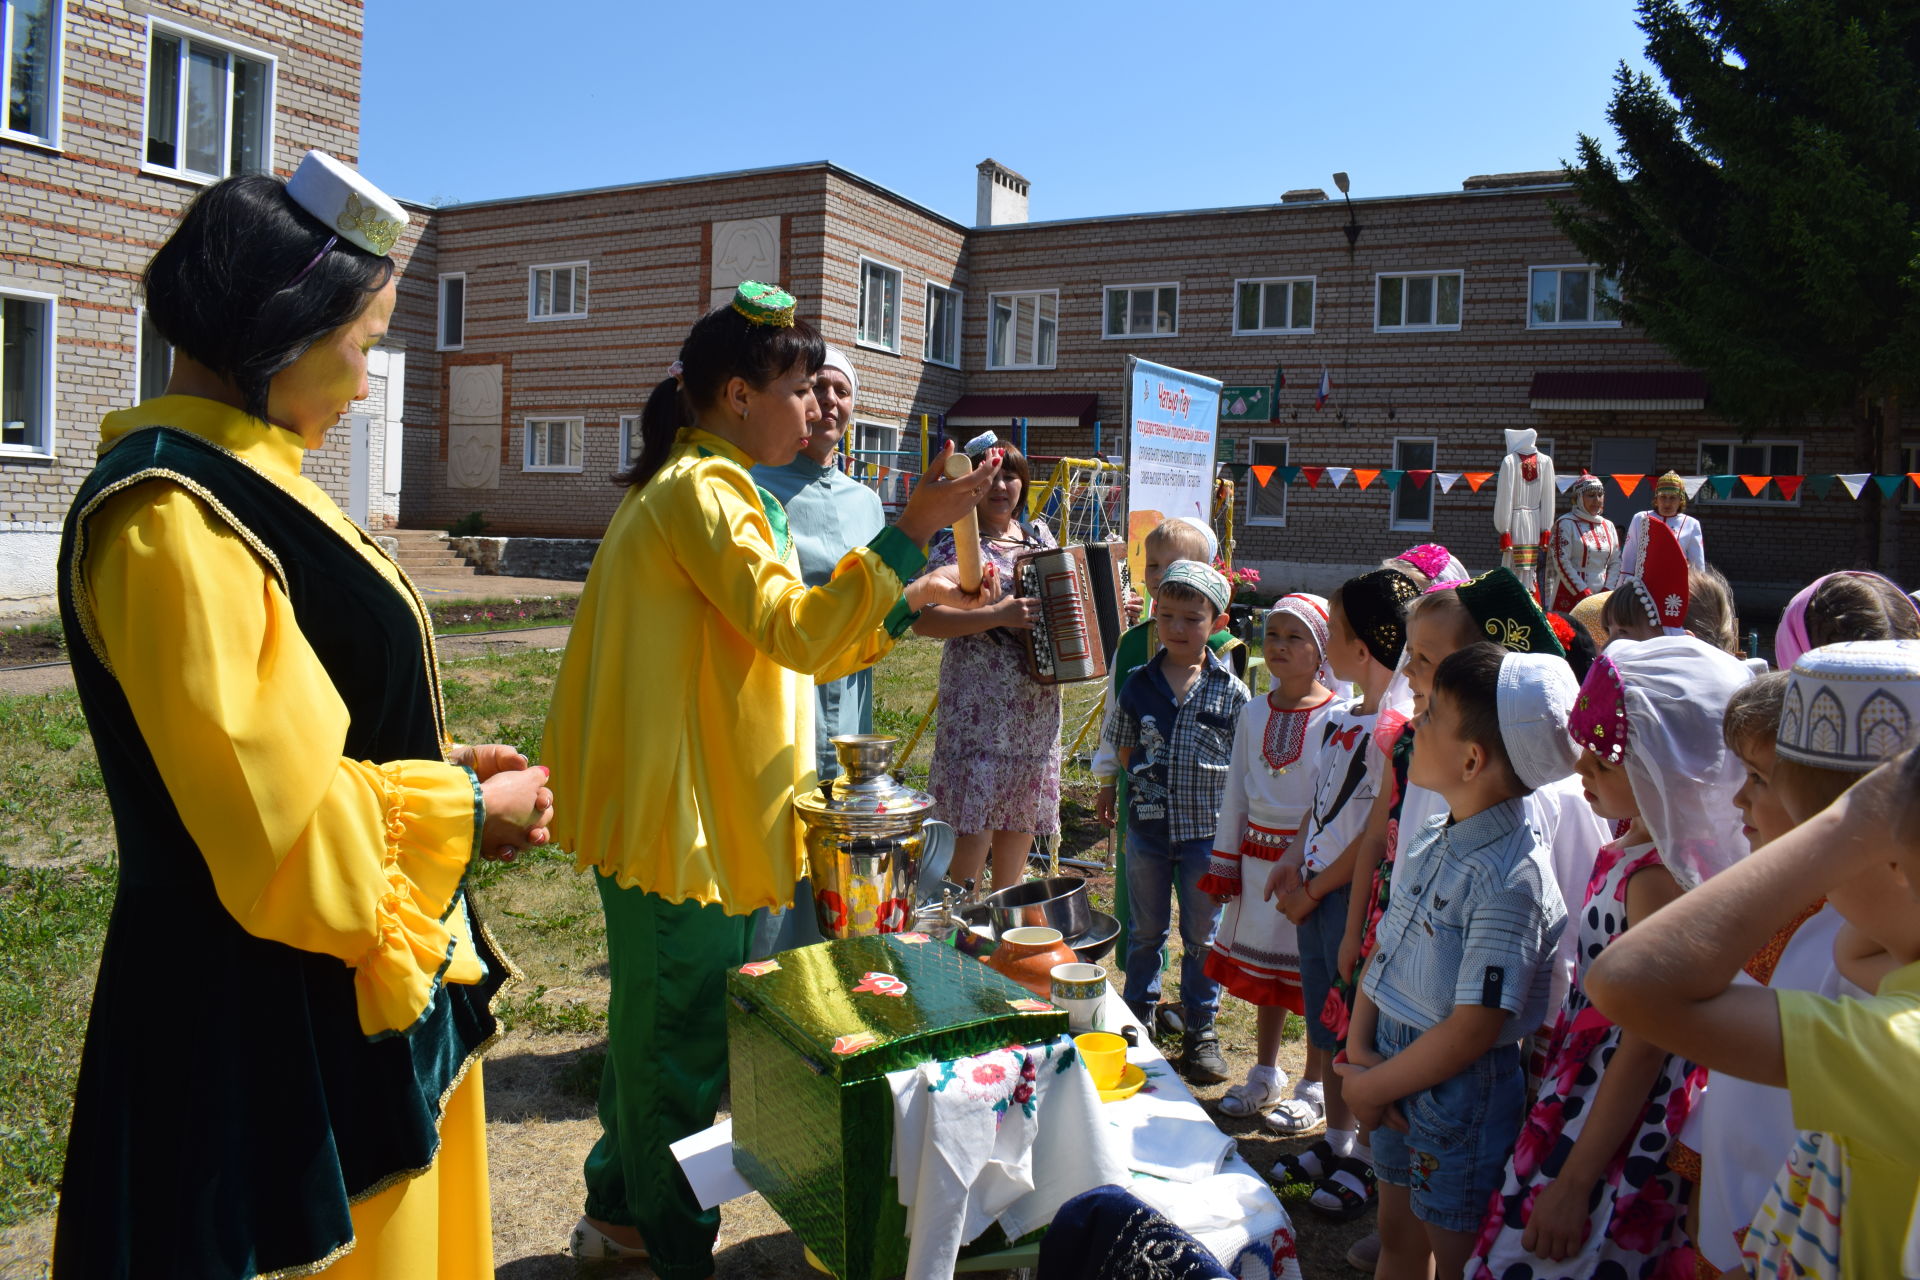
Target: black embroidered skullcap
x=1376, y=607
x=1506, y=614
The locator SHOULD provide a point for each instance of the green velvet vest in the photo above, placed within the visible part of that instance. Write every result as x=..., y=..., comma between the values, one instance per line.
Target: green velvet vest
x=228, y=1108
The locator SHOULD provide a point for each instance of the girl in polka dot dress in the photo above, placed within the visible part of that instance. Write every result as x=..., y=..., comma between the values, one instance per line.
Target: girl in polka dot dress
x=1589, y=1190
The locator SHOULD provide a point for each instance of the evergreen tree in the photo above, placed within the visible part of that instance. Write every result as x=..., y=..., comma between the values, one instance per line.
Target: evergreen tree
x=1764, y=215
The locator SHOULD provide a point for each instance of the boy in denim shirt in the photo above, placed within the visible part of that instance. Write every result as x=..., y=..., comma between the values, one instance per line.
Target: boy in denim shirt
x=1464, y=964
x=1172, y=730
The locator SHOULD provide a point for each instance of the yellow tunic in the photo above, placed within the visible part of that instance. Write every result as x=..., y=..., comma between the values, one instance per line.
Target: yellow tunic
x=682, y=722
x=305, y=846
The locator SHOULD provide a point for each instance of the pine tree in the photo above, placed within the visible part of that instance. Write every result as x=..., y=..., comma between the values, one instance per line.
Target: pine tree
x=1764, y=215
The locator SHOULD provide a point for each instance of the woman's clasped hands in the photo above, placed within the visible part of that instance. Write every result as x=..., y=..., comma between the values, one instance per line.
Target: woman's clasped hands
x=519, y=805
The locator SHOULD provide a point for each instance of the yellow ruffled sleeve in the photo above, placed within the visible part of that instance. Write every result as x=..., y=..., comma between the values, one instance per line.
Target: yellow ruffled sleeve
x=344, y=857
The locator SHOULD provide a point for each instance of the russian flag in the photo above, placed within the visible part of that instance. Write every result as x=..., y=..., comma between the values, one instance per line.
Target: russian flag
x=1326, y=389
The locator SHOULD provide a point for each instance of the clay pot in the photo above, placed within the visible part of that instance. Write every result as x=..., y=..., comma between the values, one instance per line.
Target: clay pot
x=1028, y=954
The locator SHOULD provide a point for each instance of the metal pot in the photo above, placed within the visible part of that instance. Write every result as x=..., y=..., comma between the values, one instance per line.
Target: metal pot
x=865, y=833
x=1057, y=902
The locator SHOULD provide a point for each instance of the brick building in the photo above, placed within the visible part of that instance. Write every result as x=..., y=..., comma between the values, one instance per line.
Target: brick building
x=1441, y=320
x=117, y=113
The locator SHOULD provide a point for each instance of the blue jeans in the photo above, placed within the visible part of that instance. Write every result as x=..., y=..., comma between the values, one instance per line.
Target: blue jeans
x=1320, y=936
x=1151, y=868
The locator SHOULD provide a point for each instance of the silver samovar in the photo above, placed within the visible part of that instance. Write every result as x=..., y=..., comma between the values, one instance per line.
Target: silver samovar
x=865, y=833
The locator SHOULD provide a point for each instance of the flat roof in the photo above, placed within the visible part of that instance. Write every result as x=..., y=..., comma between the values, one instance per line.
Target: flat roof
x=1277, y=206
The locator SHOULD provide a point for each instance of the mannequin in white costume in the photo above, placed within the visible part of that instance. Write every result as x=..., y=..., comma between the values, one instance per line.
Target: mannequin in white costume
x=1523, y=501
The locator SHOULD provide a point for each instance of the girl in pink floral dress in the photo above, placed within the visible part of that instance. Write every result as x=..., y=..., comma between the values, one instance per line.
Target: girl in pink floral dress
x=1590, y=1191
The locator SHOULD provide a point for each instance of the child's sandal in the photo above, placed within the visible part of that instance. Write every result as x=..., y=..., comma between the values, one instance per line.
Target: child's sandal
x=1295, y=1177
x=1350, y=1187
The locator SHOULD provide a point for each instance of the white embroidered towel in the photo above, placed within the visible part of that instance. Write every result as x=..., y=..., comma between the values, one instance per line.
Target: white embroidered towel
x=1168, y=1137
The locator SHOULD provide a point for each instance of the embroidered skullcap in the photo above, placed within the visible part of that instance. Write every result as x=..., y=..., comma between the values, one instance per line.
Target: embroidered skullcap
x=1506, y=614
x=837, y=359
x=767, y=304
x=1673, y=484
x=1587, y=484
x=1852, y=705
x=1312, y=612
x=1660, y=579
x=352, y=208
x=1534, y=695
x=1429, y=558
x=1587, y=614
x=1206, y=532
x=1376, y=607
x=1205, y=579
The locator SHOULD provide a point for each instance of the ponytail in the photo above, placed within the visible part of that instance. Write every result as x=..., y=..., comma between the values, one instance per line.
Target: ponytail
x=660, y=422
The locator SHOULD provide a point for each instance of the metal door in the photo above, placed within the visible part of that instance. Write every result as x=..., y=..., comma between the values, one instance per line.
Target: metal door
x=359, y=473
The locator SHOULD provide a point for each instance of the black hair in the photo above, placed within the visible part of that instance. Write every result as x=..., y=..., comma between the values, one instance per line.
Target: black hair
x=722, y=345
x=1578, y=642
x=1469, y=679
x=227, y=288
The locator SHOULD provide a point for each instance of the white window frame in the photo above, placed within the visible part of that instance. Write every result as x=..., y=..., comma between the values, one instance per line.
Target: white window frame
x=440, y=342
x=959, y=311
x=1263, y=281
x=1014, y=296
x=579, y=269
x=1435, y=275
x=891, y=343
x=1596, y=275
x=50, y=141
x=1740, y=497
x=49, y=392
x=576, y=428
x=1266, y=520
x=629, y=432
x=187, y=35
x=1395, y=521
x=1108, y=291
x=140, y=351
x=888, y=487
x=1910, y=454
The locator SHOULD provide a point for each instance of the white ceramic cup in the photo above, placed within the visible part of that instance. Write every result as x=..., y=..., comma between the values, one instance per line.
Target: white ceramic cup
x=1081, y=989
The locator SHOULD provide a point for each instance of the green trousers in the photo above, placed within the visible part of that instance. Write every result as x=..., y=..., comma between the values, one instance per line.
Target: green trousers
x=666, y=1068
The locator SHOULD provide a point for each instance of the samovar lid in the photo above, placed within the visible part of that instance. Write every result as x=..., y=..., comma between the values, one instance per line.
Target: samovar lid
x=865, y=797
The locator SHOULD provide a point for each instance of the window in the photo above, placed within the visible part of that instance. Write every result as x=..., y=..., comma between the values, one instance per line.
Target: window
x=209, y=106
x=1410, y=507
x=1273, y=306
x=879, y=306
x=1749, y=458
x=1427, y=301
x=879, y=443
x=555, y=444
x=1025, y=327
x=1266, y=504
x=1136, y=309
x=629, y=439
x=943, y=326
x=26, y=373
x=31, y=34
x=153, y=363
x=1571, y=297
x=557, y=291
x=453, y=311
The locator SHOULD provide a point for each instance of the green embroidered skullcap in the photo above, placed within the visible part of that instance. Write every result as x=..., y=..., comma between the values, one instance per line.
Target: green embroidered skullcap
x=764, y=304
x=1506, y=613
x=1202, y=578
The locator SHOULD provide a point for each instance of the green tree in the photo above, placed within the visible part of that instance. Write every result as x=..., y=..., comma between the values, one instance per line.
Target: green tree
x=1762, y=215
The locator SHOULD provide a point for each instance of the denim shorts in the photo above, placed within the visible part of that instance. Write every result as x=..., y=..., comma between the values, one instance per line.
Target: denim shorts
x=1320, y=935
x=1460, y=1132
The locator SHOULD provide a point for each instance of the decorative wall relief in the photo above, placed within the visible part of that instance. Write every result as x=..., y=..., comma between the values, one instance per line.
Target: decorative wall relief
x=474, y=400
x=747, y=249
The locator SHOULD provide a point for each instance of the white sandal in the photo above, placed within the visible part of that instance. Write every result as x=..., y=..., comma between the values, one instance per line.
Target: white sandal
x=1296, y=1116
x=589, y=1241
x=1249, y=1098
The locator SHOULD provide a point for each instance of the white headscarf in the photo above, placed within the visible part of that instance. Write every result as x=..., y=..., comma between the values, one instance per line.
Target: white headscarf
x=837, y=359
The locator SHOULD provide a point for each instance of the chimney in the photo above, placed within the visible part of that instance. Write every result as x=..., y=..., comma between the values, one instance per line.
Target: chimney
x=1303, y=195
x=1002, y=196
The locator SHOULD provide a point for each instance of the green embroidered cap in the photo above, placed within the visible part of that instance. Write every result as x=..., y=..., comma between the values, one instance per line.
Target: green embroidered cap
x=1506, y=613
x=764, y=304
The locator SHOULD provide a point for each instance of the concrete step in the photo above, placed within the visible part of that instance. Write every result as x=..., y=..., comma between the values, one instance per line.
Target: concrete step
x=428, y=560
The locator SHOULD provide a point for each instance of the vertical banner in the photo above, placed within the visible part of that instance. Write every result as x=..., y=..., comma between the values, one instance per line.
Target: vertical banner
x=1173, y=420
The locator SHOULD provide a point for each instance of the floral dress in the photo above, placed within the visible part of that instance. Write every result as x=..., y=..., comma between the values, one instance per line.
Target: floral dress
x=996, y=739
x=1635, y=1229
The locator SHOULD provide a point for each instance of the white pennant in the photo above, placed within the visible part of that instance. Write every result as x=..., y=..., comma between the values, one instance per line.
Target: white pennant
x=1855, y=482
x=1337, y=476
x=1448, y=479
x=1692, y=485
x=1564, y=483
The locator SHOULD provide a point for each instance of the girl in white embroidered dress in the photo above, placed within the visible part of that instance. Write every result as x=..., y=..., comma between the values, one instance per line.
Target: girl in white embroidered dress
x=1256, y=953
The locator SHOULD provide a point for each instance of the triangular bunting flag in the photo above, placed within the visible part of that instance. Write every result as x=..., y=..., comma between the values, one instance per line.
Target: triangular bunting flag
x=1692, y=485
x=1911, y=475
x=1392, y=479
x=1789, y=485
x=1337, y=476
x=1447, y=479
x=1628, y=483
x=1263, y=473
x=1289, y=474
x=1889, y=485
x=1722, y=485
x=1312, y=475
x=873, y=471
x=1755, y=483
x=1822, y=484
x=1364, y=476
x=1419, y=478
x=1477, y=478
x=1238, y=470
x=1855, y=481
x=1564, y=483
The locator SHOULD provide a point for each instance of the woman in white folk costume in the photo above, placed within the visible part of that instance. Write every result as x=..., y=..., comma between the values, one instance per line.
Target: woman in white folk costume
x=1586, y=547
x=1523, y=498
x=282, y=1068
x=1670, y=509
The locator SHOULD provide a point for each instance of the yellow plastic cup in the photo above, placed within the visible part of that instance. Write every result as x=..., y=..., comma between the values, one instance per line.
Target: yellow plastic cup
x=1105, y=1055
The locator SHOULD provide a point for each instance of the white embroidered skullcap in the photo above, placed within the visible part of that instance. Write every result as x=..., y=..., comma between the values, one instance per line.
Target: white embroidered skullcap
x=837, y=359
x=1534, y=695
x=1206, y=531
x=353, y=208
x=1850, y=706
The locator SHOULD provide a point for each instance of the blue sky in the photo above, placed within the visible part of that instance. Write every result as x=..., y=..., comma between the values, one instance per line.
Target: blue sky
x=1106, y=108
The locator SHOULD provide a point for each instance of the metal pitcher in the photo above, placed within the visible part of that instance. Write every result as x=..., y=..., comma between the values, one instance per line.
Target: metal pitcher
x=865, y=834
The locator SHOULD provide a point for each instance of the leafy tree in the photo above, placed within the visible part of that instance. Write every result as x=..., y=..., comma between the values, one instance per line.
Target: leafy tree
x=1762, y=214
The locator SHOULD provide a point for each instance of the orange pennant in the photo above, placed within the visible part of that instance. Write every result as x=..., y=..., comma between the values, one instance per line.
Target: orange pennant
x=1364, y=477
x=1911, y=475
x=1477, y=478
x=1628, y=483
x=1756, y=483
x=1262, y=473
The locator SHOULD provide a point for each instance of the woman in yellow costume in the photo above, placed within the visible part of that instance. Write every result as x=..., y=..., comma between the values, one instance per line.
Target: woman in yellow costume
x=682, y=725
x=281, y=1074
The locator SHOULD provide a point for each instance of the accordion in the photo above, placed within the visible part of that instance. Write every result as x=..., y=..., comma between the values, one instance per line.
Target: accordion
x=1082, y=594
